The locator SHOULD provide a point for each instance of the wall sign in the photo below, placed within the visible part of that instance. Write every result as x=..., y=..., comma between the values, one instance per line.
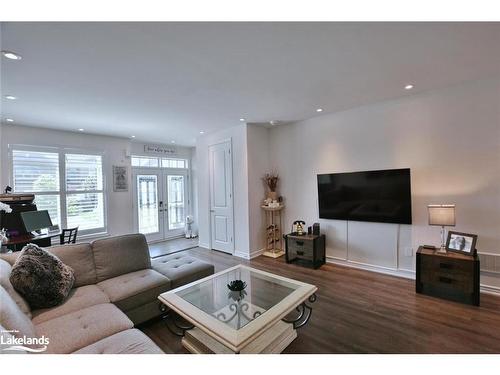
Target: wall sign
x=160, y=150
x=120, y=178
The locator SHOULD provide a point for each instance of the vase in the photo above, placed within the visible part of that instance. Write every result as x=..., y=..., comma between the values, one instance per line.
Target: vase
x=272, y=195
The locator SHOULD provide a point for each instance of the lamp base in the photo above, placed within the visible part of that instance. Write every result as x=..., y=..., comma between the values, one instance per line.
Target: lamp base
x=441, y=250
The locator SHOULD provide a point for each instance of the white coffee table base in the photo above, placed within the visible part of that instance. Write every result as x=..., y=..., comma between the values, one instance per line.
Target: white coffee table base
x=273, y=341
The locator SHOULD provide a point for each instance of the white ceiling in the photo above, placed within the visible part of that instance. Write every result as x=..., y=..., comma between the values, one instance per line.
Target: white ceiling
x=169, y=81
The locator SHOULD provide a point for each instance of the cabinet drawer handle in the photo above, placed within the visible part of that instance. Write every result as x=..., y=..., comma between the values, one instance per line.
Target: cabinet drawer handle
x=446, y=280
x=445, y=265
x=299, y=243
x=300, y=253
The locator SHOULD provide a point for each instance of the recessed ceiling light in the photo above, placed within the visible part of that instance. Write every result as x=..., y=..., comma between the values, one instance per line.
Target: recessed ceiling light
x=81, y=130
x=11, y=55
x=272, y=122
x=202, y=132
x=132, y=136
x=319, y=109
x=408, y=87
x=242, y=119
x=9, y=119
x=172, y=141
x=10, y=97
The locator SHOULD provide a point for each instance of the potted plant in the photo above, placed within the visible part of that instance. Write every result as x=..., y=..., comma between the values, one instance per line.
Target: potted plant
x=271, y=181
x=237, y=290
x=3, y=233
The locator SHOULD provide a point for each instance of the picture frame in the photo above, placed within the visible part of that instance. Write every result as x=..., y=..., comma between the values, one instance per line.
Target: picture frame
x=463, y=243
x=120, y=179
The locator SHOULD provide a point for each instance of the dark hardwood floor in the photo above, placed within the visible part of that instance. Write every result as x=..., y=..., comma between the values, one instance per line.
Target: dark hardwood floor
x=159, y=249
x=364, y=312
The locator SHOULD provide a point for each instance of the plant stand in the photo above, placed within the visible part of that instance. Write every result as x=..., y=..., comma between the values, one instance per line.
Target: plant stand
x=273, y=232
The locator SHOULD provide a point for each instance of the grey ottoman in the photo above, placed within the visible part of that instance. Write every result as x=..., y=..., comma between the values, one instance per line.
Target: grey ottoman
x=181, y=269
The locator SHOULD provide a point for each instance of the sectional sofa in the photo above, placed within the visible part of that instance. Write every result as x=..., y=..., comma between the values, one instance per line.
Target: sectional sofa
x=116, y=287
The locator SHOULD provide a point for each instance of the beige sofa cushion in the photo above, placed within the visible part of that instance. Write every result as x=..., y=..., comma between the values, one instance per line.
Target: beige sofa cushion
x=12, y=318
x=182, y=269
x=78, y=299
x=119, y=255
x=77, y=256
x=75, y=330
x=5, y=270
x=135, y=288
x=80, y=258
x=131, y=341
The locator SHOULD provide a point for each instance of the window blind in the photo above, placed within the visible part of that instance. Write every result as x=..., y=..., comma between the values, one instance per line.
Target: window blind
x=35, y=171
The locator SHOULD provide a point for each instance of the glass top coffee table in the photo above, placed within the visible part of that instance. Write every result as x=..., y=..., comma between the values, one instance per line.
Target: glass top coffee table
x=241, y=310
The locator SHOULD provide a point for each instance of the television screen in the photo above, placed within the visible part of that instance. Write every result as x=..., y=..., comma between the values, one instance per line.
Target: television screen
x=378, y=196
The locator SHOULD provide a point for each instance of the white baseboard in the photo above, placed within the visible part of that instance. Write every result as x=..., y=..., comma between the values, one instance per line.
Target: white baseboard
x=204, y=245
x=240, y=254
x=253, y=254
x=407, y=274
x=256, y=253
x=488, y=289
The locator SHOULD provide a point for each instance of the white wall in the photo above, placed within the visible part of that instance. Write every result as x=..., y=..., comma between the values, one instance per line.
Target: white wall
x=449, y=138
x=258, y=165
x=119, y=204
x=238, y=136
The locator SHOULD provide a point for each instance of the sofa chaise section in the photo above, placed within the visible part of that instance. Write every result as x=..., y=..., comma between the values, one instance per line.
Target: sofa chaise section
x=124, y=274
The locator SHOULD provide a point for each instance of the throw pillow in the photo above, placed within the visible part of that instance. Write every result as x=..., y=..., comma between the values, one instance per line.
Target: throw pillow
x=41, y=277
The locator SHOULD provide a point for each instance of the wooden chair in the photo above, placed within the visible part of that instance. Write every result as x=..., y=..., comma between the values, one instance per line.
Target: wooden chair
x=68, y=235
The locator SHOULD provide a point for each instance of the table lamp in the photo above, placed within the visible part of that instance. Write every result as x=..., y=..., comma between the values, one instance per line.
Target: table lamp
x=442, y=215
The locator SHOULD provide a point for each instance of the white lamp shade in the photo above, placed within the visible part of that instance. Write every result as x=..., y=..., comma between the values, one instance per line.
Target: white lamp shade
x=441, y=214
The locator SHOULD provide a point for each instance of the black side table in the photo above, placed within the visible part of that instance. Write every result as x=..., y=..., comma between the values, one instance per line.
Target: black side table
x=306, y=250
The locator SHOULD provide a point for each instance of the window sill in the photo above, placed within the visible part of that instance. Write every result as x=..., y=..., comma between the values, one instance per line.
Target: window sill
x=91, y=236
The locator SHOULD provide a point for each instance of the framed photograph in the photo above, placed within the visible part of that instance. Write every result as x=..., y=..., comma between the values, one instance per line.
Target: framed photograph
x=120, y=178
x=461, y=242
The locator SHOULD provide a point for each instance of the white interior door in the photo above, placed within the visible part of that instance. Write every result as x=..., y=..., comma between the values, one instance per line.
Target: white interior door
x=148, y=203
x=221, y=197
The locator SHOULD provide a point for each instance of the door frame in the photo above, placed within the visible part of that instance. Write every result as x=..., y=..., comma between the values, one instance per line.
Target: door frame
x=209, y=190
x=162, y=174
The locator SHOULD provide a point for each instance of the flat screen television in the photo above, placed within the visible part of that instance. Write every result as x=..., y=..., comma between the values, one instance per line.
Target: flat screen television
x=382, y=196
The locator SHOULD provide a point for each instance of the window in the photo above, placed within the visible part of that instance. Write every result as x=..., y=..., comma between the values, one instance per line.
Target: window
x=143, y=161
x=155, y=162
x=174, y=163
x=38, y=173
x=84, y=191
x=69, y=185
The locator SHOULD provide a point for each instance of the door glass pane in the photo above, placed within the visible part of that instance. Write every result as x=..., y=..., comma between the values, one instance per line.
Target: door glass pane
x=176, y=202
x=147, y=204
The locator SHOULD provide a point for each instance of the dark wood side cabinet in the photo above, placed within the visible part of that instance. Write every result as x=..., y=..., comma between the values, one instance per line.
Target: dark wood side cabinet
x=307, y=250
x=448, y=275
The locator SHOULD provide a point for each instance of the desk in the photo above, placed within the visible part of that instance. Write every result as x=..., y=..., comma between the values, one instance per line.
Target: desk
x=18, y=242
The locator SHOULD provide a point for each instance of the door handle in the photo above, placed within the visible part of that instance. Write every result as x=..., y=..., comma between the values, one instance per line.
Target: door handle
x=212, y=210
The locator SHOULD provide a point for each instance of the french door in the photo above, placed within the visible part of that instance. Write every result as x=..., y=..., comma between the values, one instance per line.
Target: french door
x=160, y=202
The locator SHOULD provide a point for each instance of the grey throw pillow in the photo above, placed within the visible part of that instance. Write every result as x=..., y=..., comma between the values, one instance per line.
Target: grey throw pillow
x=41, y=277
